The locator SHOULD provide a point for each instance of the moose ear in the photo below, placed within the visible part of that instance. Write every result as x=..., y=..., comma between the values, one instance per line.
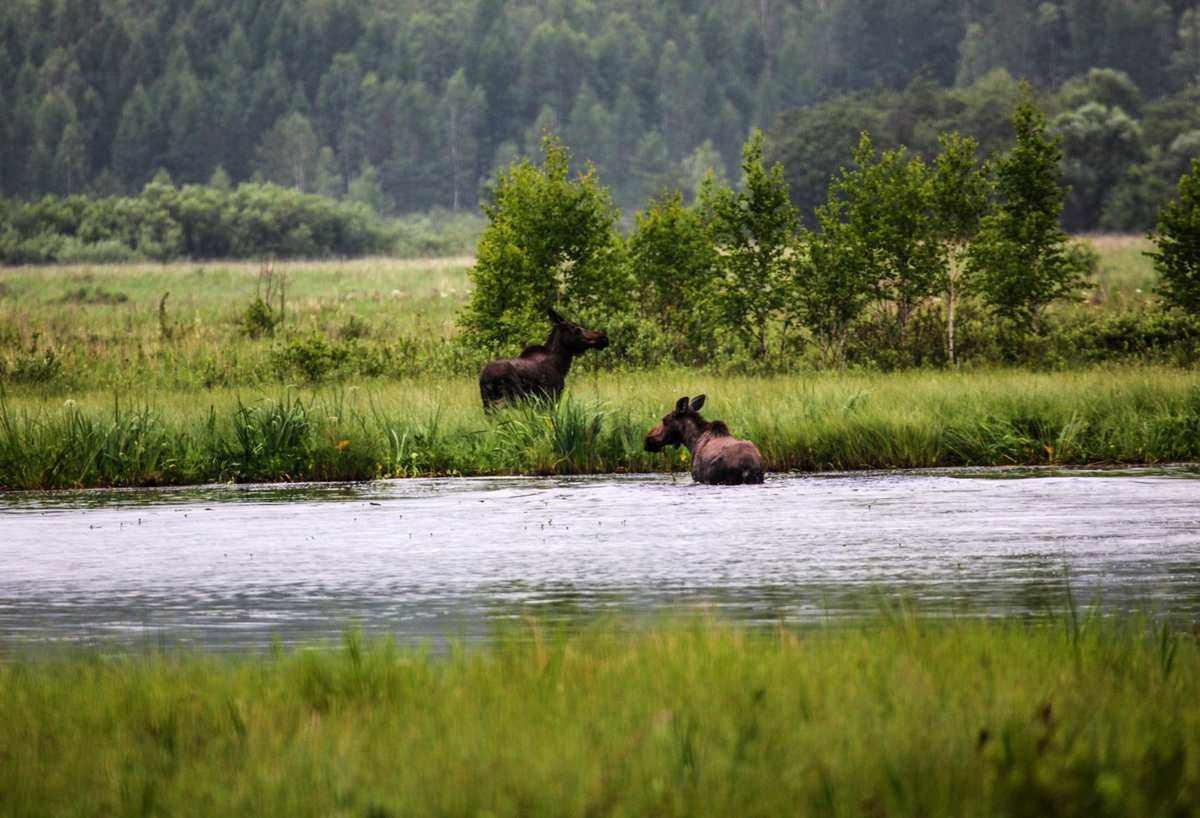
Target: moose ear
x=554, y=316
x=681, y=405
x=697, y=402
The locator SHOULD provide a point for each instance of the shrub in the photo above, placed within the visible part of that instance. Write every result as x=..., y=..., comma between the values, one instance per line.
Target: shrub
x=31, y=367
x=259, y=319
x=313, y=358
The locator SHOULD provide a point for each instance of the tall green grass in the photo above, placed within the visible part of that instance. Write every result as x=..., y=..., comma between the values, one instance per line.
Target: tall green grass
x=436, y=427
x=899, y=717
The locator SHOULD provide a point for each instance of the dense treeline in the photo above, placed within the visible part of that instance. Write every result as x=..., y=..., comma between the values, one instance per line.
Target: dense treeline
x=915, y=262
x=412, y=105
x=1123, y=152
x=164, y=222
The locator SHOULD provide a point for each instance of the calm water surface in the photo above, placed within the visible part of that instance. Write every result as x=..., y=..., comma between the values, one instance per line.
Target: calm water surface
x=236, y=567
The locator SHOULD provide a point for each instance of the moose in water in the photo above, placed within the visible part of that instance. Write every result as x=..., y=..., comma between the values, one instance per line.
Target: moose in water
x=541, y=369
x=717, y=456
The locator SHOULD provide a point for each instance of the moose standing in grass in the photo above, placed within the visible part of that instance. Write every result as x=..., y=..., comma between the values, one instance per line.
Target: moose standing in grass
x=717, y=456
x=541, y=369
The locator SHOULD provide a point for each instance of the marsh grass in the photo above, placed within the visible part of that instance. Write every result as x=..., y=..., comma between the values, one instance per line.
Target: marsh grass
x=896, y=716
x=435, y=426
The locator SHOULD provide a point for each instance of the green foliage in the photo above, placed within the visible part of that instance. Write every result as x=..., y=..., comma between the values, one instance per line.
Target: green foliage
x=835, y=285
x=550, y=242
x=675, y=266
x=31, y=367
x=432, y=93
x=1018, y=262
x=313, y=358
x=754, y=231
x=1177, y=241
x=259, y=319
x=1099, y=145
x=959, y=198
x=890, y=224
x=165, y=222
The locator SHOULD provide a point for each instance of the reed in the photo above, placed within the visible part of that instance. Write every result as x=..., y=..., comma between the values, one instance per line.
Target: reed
x=895, y=716
x=435, y=426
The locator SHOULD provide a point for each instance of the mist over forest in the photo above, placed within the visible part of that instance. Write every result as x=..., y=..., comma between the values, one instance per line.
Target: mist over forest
x=415, y=105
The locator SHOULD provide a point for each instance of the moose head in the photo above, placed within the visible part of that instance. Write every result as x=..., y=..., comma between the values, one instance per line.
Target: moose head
x=573, y=338
x=679, y=427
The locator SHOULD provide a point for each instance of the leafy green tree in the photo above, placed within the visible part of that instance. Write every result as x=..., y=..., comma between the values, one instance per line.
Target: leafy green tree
x=550, y=242
x=813, y=142
x=140, y=141
x=1107, y=86
x=589, y=129
x=464, y=110
x=650, y=171
x=365, y=188
x=327, y=177
x=888, y=217
x=754, y=231
x=1019, y=262
x=70, y=160
x=960, y=192
x=698, y=165
x=1177, y=245
x=833, y=282
x=674, y=265
x=1099, y=144
x=288, y=152
x=1185, y=61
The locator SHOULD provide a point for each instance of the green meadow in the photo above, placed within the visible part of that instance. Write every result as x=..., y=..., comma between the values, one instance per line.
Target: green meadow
x=896, y=716
x=171, y=374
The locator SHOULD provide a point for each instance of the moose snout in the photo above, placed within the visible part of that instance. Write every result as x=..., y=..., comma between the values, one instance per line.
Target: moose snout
x=599, y=340
x=654, y=441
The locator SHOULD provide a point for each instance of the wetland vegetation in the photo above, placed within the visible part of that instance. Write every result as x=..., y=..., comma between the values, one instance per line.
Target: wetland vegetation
x=356, y=374
x=893, y=716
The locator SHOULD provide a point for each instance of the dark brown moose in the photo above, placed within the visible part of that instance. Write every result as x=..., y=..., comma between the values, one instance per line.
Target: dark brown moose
x=541, y=369
x=717, y=456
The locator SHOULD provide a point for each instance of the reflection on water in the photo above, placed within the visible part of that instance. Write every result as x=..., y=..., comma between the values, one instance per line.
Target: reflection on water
x=423, y=559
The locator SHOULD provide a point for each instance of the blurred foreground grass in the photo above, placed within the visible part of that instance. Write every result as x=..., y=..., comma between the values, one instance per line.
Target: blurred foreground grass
x=896, y=717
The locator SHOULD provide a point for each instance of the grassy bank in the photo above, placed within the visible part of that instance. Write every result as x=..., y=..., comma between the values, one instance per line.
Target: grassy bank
x=433, y=426
x=893, y=718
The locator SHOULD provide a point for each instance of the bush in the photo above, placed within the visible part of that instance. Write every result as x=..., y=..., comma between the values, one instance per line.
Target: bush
x=259, y=319
x=312, y=358
x=164, y=222
x=31, y=367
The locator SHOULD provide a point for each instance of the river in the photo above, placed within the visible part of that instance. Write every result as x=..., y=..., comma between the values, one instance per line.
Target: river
x=239, y=567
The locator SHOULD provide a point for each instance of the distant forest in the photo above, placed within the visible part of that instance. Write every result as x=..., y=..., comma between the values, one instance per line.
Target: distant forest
x=414, y=104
